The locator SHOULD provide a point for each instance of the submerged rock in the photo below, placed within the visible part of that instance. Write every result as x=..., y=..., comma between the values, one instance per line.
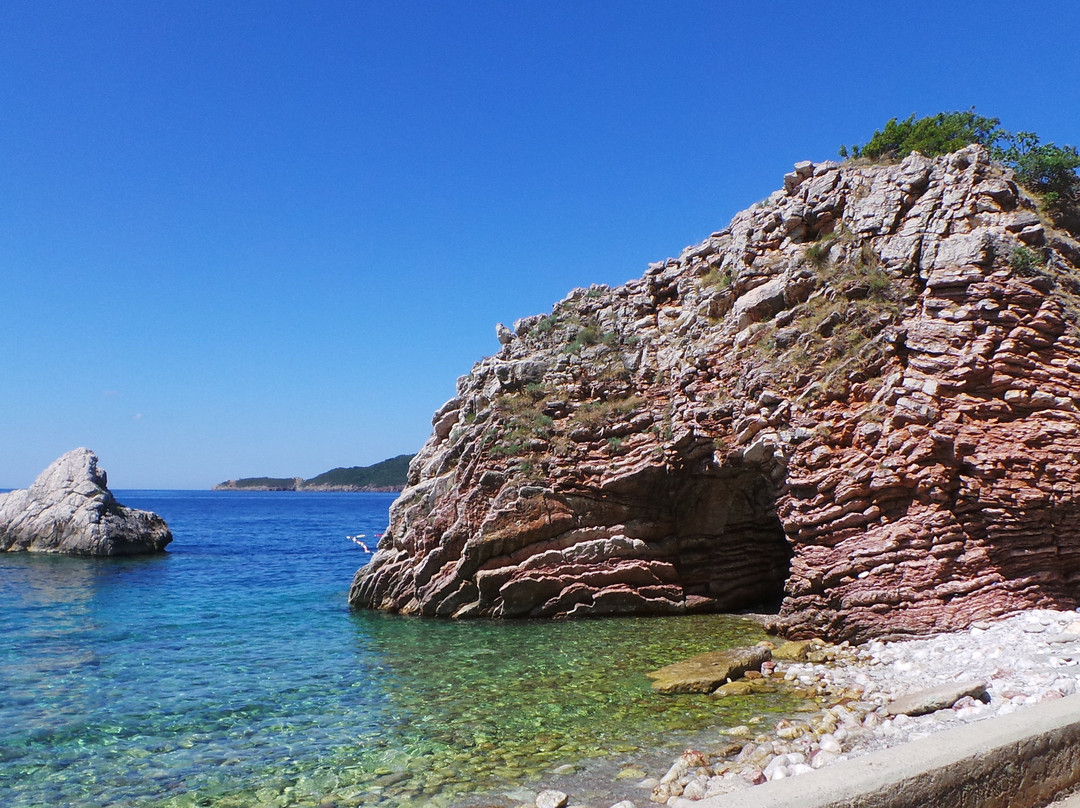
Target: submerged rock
x=704, y=673
x=70, y=510
x=860, y=399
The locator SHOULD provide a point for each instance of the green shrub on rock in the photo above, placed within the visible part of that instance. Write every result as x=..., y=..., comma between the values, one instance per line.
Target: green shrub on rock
x=1047, y=169
x=931, y=136
x=1043, y=168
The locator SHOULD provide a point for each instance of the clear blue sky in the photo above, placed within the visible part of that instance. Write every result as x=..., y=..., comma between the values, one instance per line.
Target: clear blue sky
x=248, y=238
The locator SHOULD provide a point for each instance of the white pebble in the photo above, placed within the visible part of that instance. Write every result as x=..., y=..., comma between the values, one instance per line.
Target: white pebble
x=777, y=764
x=829, y=743
x=695, y=789
x=1065, y=686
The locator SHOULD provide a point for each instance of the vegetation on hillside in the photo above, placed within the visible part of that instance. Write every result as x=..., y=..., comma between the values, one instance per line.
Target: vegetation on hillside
x=263, y=483
x=387, y=474
x=1045, y=169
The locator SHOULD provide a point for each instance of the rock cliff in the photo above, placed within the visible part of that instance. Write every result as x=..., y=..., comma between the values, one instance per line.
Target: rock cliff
x=858, y=400
x=69, y=509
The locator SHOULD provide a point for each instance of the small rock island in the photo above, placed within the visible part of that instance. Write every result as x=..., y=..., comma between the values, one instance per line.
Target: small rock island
x=69, y=509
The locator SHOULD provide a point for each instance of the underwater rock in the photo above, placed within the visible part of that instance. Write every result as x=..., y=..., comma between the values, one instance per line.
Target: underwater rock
x=704, y=673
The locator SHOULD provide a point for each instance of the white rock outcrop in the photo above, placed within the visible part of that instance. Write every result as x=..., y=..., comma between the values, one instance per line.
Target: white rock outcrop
x=69, y=509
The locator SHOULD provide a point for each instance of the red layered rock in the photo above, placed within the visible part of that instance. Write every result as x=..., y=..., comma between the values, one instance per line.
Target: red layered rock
x=859, y=400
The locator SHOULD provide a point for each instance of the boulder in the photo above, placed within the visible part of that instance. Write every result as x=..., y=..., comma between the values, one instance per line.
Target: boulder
x=69, y=509
x=704, y=673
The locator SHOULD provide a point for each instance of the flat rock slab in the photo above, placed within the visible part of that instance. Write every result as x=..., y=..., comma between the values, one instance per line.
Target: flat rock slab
x=706, y=672
x=937, y=698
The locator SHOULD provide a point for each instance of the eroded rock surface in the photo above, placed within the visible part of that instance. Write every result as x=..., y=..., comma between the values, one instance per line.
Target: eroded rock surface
x=69, y=509
x=860, y=397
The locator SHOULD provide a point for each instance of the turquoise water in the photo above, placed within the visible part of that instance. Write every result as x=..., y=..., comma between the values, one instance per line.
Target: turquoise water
x=230, y=672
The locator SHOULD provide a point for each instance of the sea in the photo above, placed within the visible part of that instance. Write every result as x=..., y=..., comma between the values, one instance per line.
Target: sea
x=230, y=672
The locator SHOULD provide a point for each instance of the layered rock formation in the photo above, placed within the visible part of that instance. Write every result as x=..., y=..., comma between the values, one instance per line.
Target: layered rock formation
x=859, y=398
x=69, y=509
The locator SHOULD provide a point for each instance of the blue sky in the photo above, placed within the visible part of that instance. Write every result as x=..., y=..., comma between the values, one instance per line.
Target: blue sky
x=266, y=237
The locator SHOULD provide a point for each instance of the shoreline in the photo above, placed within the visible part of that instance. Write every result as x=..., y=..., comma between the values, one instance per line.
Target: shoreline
x=1021, y=659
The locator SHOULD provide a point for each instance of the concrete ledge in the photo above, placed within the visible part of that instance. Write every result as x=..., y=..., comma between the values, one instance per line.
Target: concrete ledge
x=1020, y=760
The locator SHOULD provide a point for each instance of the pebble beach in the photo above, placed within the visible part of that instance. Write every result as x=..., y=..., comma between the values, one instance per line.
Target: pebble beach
x=869, y=697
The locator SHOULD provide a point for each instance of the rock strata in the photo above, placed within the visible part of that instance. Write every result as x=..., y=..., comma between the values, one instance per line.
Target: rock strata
x=69, y=509
x=859, y=399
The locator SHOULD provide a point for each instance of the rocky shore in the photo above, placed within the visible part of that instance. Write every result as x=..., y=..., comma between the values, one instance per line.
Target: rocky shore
x=867, y=697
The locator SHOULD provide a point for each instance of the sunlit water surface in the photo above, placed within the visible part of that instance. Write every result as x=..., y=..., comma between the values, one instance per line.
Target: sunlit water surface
x=230, y=672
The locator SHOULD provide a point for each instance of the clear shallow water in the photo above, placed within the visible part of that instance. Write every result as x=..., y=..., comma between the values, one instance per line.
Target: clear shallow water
x=230, y=672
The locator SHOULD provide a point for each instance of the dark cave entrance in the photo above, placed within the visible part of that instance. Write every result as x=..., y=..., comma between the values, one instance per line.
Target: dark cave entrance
x=729, y=545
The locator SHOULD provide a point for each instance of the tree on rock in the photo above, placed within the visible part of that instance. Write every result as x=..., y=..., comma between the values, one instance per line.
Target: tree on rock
x=1043, y=168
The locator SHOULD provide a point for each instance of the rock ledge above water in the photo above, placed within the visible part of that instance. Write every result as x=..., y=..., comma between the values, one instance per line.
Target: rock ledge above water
x=70, y=510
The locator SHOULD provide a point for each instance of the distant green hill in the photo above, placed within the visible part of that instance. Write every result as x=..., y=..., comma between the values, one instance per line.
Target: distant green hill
x=389, y=475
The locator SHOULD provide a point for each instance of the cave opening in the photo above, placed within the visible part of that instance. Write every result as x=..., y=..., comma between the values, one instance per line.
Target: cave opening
x=729, y=545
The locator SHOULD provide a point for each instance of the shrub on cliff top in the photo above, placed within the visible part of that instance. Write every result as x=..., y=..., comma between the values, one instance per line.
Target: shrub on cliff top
x=1045, y=168
x=937, y=134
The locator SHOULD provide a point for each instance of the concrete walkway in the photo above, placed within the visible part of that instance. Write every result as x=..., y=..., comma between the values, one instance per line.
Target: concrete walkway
x=1021, y=760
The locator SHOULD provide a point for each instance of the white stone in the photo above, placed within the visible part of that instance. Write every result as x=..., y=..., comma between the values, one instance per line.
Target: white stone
x=550, y=798
x=695, y=790
x=829, y=743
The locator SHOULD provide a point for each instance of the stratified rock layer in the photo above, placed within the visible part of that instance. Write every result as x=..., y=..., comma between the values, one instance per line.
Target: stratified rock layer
x=69, y=509
x=860, y=397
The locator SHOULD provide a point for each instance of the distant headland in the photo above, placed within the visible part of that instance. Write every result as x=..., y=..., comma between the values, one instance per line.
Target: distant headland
x=389, y=475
